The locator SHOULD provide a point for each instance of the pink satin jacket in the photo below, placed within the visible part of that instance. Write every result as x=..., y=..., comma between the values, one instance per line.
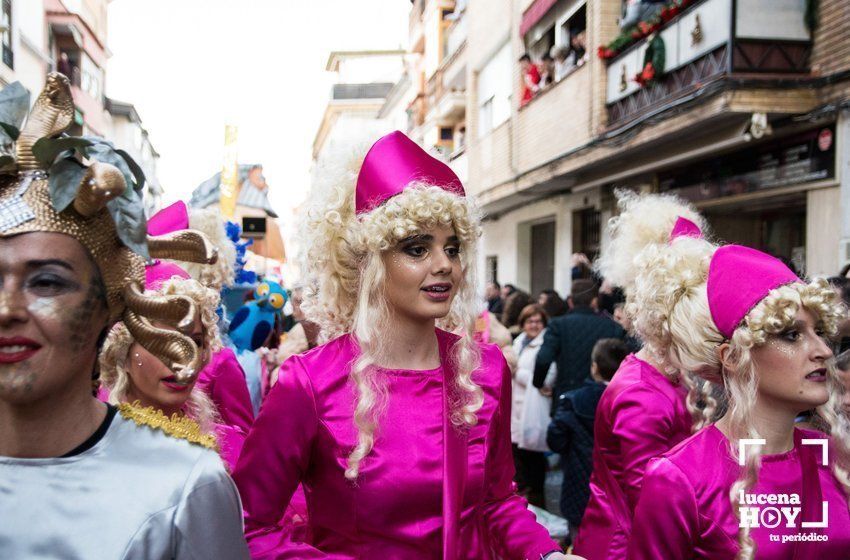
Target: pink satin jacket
x=641, y=415
x=685, y=511
x=425, y=491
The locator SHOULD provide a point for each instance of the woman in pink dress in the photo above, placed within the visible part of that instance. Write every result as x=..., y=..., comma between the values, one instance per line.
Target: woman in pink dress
x=648, y=407
x=398, y=430
x=750, y=485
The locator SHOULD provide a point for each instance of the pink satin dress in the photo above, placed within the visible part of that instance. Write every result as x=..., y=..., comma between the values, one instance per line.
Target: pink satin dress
x=425, y=491
x=641, y=415
x=685, y=510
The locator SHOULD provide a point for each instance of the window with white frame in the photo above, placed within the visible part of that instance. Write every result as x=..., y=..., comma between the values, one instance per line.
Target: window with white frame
x=494, y=91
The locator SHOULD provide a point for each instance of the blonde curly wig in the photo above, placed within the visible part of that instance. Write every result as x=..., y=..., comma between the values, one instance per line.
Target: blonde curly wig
x=116, y=350
x=344, y=278
x=656, y=272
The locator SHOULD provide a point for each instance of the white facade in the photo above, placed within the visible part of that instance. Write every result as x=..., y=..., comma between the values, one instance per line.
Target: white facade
x=508, y=239
x=31, y=61
x=128, y=132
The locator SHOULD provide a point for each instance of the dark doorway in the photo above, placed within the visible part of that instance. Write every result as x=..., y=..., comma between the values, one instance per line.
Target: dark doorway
x=542, y=257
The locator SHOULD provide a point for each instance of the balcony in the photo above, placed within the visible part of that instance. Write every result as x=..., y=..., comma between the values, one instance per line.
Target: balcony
x=375, y=90
x=416, y=29
x=455, y=38
x=708, y=43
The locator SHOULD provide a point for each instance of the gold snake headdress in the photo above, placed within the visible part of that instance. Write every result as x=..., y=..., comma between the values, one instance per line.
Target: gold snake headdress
x=86, y=188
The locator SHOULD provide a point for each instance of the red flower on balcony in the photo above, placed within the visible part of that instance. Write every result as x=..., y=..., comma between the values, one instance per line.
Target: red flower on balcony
x=645, y=76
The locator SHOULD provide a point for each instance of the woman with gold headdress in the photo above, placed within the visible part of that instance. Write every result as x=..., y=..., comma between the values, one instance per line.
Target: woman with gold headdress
x=81, y=479
x=398, y=430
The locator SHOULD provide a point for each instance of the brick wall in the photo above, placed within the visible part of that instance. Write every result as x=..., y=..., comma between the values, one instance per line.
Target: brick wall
x=831, y=49
x=554, y=122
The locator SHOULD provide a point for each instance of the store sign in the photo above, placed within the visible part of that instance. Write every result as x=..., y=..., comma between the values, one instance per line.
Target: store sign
x=802, y=158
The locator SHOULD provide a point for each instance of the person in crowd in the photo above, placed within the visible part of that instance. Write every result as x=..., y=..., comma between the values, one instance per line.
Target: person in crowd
x=571, y=431
x=552, y=303
x=547, y=71
x=578, y=42
x=530, y=79
x=507, y=290
x=563, y=62
x=300, y=338
x=581, y=267
x=648, y=407
x=609, y=296
x=845, y=271
x=633, y=343
x=222, y=379
x=530, y=409
x=420, y=415
x=488, y=330
x=743, y=319
x=514, y=305
x=493, y=295
x=570, y=339
x=80, y=478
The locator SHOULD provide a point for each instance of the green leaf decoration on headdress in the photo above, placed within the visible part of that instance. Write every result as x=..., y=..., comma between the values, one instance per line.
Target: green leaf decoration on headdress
x=14, y=106
x=128, y=212
x=103, y=150
x=46, y=150
x=64, y=180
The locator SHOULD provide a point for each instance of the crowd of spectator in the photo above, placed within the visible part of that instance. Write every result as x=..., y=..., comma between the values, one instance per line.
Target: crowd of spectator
x=538, y=75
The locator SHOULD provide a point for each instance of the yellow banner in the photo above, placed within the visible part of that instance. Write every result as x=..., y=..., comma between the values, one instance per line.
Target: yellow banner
x=229, y=173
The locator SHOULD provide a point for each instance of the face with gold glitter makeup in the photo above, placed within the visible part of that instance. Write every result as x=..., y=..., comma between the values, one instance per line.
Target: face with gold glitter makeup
x=52, y=311
x=792, y=365
x=423, y=274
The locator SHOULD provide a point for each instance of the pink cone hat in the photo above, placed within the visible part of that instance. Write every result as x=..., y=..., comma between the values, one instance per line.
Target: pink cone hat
x=171, y=218
x=685, y=228
x=738, y=279
x=392, y=164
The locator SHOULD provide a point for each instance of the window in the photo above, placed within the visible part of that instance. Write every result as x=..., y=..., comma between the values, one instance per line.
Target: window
x=561, y=34
x=8, y=54
x=446, y=133
x=494, y=91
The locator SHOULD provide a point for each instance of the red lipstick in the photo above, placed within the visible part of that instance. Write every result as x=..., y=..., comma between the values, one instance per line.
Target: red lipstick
x=17, y=349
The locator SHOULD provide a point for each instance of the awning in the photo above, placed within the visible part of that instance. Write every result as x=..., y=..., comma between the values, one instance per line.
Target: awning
x=534, y=14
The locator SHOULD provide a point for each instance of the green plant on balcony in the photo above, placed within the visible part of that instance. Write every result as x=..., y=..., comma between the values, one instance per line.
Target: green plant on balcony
x=653, y=62
x=643, y=29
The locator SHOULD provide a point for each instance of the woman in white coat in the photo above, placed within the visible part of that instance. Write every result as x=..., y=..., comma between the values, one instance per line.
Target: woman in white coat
x=530, y=406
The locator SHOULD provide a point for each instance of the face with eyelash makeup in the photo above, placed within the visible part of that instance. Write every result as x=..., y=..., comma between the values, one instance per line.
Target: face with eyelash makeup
x=152, y=383
x=423, y=274
x=52, y=311
x=791, y=365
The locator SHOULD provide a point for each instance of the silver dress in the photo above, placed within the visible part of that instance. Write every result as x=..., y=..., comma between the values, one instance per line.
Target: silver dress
x=137, y=494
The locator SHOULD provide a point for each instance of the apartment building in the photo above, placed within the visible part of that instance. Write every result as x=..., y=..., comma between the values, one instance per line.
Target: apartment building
x=747, y=116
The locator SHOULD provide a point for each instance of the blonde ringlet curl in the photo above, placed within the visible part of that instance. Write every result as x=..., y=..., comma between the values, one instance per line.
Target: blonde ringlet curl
x=657, y=274
x=696, y=350
x=344, y=279
x=115, y=356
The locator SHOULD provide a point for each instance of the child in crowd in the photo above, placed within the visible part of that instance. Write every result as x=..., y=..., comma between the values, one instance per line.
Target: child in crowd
x=571, y=430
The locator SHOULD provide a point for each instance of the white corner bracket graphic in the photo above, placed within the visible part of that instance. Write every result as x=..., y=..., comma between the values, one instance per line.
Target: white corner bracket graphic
x=824, y=522
x=742, y=448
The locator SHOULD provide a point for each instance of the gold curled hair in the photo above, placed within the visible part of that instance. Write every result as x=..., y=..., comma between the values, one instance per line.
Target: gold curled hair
x=344, y=282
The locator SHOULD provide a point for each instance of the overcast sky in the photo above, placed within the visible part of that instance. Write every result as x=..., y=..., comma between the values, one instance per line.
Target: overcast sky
x=191, y=66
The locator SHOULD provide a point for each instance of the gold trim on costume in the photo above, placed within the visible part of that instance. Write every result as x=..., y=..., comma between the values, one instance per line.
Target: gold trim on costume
x=178, y=426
